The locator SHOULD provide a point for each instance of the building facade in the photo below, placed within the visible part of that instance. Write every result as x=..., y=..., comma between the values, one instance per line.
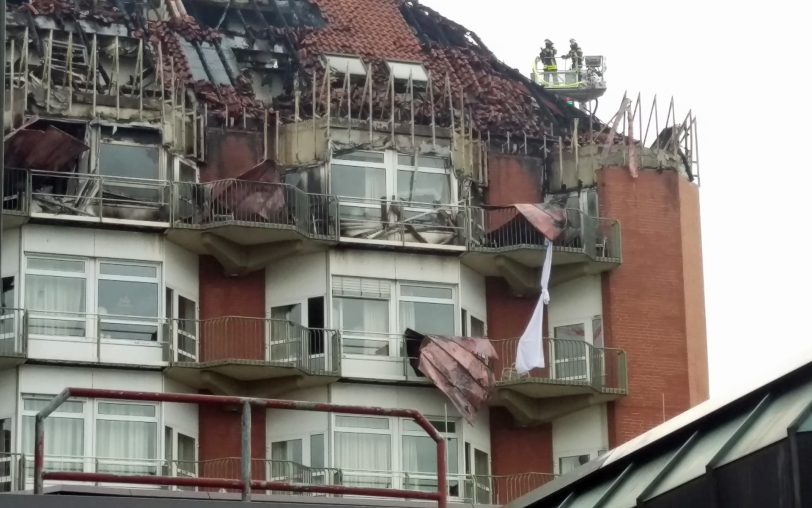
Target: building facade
x=258, y=198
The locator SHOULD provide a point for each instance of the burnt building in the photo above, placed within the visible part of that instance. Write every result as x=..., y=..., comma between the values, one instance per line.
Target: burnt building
x=258, y=198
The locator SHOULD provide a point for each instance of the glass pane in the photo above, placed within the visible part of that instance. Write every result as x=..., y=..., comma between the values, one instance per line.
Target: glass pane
x=376, y=157
x=597, y=331
x=111, y=408
x=432, y=162
x=420, y=455
x=290, y=450
x=482, y=464
x=317, y=450
x=426, y=292
x=440, y=425
x=358, y=182
x=567, y=464
x=420, y=187
x=570, y=332
x=129, y=161
x=363, y=452
x=148, y=272
x=362, y=315
x=124, y=298
x=351, y=346
x=127, y=447
x=129, y=331
x=362, y=422
x=65, y=439
x=477, y=327
x=186, y=455
x=70, y=406
x=56, y=265
x=405, y=160
x=55, y=294
x=427, y=318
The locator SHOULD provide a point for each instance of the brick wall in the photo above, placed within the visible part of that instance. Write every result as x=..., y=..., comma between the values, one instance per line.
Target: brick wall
x=220, y=441
x=519, y=449
x=507, y=317
x=232, y=310
x=644, y=299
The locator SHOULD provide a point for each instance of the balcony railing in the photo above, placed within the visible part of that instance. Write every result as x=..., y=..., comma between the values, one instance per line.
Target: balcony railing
x=15, y=191
x=12, y=333
x=272, y=342
x=254, y=204
x=505, y=229
x=97, y=198
x=568, y=362
x=401, y=222
x=17, y=473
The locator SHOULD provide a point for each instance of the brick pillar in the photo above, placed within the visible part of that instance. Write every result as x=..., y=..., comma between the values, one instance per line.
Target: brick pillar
x=220, y=442
x=653, y=303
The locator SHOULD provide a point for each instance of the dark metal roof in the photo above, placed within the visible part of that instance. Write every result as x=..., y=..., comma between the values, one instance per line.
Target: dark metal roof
x=748, y=451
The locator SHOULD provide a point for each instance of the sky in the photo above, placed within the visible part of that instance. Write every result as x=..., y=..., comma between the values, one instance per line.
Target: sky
x=743, y=68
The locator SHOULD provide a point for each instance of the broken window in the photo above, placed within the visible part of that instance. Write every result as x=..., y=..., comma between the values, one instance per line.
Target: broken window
x=128, y=155
x=238, y=17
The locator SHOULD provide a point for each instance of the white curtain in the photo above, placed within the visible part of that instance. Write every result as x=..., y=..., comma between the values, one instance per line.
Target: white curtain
x=64, y=440
x=359, y=452
x=125, y=441
x=61, y=297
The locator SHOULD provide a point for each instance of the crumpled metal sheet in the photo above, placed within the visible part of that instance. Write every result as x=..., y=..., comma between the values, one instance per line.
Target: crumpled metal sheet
x=458, y=366
x=51, y=149
x=548, y=219
x=257, y=194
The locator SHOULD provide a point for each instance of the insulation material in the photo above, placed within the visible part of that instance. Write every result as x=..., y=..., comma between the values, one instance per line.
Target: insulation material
x=458, y=366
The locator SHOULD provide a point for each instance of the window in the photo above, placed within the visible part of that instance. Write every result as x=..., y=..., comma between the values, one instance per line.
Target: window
x=570, y=351
x=363, y=450
x=129, y=155
x=126, y=435
x=428, y=310
x=419, y=453
x=6, y=293
x=126, y=438
x=65, y=428
x=567, y=464
x=286, y=460
x=180, y=454
x=60, y=290
x=377, y=188
x=8, y=324
x=56, y=288
x=361, y=314
x=6, y=459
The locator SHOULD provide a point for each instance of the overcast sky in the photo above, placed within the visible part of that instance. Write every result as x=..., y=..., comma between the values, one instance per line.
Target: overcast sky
x=744, y=69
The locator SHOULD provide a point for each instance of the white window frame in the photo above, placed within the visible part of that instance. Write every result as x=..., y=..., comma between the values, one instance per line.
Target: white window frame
x=90, y=416
x=588, y=324
x=453, y=478
x=394, y=335
x=91, y=316
x=394, y=448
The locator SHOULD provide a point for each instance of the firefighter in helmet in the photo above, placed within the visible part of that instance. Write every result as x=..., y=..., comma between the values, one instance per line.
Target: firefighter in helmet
x=577, y=56
x=547, y=57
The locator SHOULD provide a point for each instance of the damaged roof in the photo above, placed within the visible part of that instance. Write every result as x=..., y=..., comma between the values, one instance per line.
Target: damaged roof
x=224, y=50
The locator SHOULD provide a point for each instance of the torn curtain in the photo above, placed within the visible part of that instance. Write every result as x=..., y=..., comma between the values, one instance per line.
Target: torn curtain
x=530, y=352
x=458, y=366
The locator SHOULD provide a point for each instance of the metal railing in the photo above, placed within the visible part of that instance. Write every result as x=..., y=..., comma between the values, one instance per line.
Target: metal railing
x=568, y=362
x=17, y=473
x=272, y=341
x=15, y=191
x=246, y=482
x=363, y=345
x=249, y=203
x=13, y=332
x=93, y=197
x=504, y=229
x=401, y=221
x=566, y=75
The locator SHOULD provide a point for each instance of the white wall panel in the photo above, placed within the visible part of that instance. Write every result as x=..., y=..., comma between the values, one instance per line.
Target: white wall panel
x=581, y=433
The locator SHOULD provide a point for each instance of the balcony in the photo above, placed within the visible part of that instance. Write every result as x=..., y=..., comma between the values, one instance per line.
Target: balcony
x=400, y=223
x=503, y=243
x=12, y=340
x=83, y=197
x=61, y=337
x=239, y=355
x=577, y=375
x=379, y=357
x=16, y=474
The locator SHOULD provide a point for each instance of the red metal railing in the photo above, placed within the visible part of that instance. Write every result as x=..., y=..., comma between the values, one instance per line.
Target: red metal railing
x=245, y=483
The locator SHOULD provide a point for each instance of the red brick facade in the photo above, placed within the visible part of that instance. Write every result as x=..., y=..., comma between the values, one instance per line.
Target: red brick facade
x=644, y=299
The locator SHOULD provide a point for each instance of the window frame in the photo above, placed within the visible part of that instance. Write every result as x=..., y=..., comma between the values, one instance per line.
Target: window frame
x=91, y=317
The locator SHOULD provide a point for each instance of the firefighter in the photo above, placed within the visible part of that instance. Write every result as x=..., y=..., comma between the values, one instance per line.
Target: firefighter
x=577, y=56
x=547, y=57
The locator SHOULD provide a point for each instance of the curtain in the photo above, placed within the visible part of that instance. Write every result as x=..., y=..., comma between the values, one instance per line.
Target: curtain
x=63, y=296
x=358, y=453
x=123, y=440
x=65, y=441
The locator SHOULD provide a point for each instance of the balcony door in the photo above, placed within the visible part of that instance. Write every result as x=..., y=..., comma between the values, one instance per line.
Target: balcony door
x=8, y=323
x=286, y=333
x=574, y=353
